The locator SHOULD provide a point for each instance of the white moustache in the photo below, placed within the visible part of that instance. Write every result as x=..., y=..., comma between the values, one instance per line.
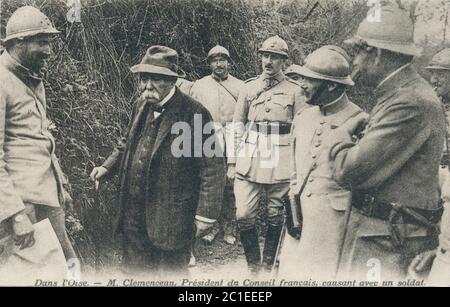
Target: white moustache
x=150, y=95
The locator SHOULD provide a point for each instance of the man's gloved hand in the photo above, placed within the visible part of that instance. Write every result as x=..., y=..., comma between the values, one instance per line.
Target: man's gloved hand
x=421, y=264
x=356, y=125
x=23, y=230
x=202, y=228
x=98, y=172
x=231, y=172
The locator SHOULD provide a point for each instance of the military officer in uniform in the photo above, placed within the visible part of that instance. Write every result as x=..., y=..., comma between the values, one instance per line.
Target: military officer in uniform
x=393, y=169
x=218, y=92
x=262, y=119
x=324, y=79
x=439, y=68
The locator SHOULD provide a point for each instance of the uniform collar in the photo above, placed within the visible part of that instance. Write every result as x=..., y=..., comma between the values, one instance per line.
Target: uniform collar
x=394, y=81
x=278, y=77
x=334, y=106
x=391, y=75
x=18, y=69
x=216, y=78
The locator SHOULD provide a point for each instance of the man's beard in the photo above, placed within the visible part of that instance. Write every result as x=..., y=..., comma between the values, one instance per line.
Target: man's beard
x=315, y=98
x=38, y=64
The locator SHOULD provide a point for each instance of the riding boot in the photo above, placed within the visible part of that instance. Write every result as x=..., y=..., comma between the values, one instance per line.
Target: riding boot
x=249, y=240
x=270, y=246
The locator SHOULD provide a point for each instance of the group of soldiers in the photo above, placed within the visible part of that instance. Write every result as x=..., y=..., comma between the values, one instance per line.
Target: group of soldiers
x=344, y=189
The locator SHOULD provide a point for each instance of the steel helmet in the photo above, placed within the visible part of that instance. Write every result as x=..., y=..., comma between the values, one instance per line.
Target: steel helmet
x=327, y=63
x=441, y=60
x=216, y=50
x=294, y=69
x=28, y=21
x=394, y=32
x=275, y=44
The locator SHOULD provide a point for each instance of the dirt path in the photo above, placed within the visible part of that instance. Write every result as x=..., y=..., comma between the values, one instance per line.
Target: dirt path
x=218, y=260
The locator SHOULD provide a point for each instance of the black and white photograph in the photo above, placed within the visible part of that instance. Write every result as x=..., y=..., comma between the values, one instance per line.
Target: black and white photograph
x=198, y=144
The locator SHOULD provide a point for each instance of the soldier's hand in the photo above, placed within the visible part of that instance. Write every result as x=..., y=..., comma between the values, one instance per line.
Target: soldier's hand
x=202, y=228
x=23, y=230
x=231, y=172
x=355, y=125
x=98, y=172
x=421, y=264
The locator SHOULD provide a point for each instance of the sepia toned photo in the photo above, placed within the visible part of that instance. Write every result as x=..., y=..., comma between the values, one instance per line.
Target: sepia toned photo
x=224, y=143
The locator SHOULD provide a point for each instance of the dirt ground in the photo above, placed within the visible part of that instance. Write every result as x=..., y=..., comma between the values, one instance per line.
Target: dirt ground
x=218, y=259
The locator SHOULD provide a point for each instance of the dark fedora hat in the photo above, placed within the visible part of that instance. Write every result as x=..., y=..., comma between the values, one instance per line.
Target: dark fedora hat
x=159, y=60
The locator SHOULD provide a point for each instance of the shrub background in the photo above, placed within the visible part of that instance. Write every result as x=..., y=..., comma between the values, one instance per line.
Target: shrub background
x=90, y=88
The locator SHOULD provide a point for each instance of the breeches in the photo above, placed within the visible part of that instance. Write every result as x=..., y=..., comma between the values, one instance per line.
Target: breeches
x=248, y=196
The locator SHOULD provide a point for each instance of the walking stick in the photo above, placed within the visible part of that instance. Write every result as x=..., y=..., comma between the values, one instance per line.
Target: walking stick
x=97, y=207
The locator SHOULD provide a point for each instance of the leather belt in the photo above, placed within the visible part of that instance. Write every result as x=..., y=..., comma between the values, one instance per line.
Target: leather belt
x=396, y=213
x=271, y=128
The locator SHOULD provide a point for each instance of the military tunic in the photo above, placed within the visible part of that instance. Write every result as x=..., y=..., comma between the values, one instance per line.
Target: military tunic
x=219, y=98
x=323, y=201
x=396, y=162
x=262, y=159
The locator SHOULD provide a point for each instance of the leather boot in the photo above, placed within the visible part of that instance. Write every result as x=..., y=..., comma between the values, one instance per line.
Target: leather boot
x=270, y=246
x=249, y=240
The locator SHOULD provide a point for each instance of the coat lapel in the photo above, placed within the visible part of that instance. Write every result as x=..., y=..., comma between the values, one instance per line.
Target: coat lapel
x=168, y=118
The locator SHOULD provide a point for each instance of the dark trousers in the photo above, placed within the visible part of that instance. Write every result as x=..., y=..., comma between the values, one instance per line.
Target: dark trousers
x=141, y=256
x=227, y=218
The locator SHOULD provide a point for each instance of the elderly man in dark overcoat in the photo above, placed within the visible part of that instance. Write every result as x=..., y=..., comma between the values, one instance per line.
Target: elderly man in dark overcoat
x=171, y=177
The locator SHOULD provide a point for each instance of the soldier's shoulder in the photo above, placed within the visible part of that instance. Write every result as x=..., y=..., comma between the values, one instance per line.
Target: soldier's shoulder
x=292, y=82
x=306, y=115
x=251, y=80
x=235, y=80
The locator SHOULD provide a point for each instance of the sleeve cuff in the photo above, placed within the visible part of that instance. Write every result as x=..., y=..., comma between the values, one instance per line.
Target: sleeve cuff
x=204, y=219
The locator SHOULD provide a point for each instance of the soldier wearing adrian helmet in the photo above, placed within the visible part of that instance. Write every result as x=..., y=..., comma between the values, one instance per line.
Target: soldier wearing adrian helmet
x=393, y=169
x=439, y=69
x=266, y=107
x=32, y=184
x=324, y=79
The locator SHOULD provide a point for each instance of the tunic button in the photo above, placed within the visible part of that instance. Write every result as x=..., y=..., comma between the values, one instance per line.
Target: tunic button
x=267, y=109
x=322, y=122
x=319, y=132
x=314, y=156
x=317, y=144
x=308, y=194
x=311, y=179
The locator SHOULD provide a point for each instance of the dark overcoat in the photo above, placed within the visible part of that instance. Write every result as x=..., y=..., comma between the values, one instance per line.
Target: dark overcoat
x=181, y=187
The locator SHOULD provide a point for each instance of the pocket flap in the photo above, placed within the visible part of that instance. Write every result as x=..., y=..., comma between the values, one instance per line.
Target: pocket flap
x=282, y=99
